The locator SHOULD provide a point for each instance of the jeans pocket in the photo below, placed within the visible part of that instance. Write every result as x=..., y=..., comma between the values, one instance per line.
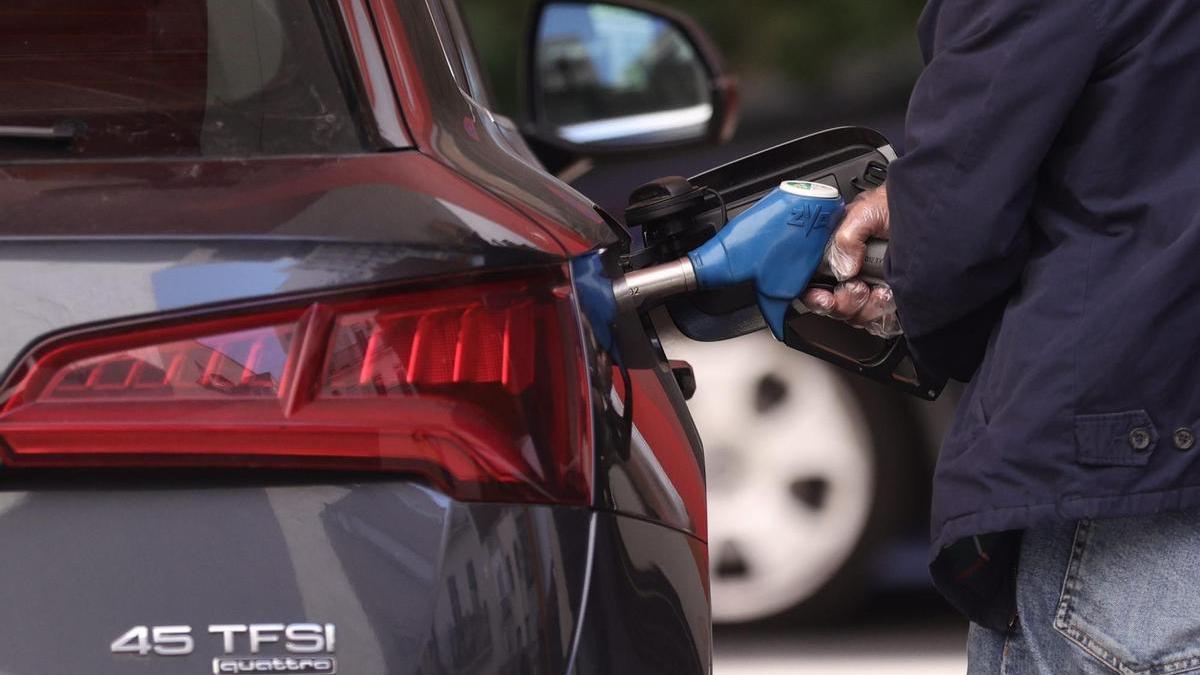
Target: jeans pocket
x=1131, y=597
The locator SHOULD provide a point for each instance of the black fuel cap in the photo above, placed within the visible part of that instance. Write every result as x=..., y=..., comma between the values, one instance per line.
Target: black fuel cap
x=662, y=198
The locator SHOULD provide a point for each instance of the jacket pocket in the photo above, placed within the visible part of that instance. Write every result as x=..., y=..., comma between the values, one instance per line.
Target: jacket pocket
x=1115, y=439
x=1130, y=598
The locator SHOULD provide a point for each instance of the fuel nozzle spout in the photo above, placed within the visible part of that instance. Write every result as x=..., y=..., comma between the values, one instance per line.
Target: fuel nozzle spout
x=659, y=282
x=778, y=244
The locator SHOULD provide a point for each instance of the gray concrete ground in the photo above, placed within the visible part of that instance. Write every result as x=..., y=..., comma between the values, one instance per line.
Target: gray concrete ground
x=909, y=634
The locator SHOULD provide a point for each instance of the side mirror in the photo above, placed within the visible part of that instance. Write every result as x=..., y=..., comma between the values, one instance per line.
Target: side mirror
x=622, y=76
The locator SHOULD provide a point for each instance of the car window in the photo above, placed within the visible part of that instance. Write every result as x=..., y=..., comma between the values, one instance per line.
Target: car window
x=477, y=78
x=497, y=30
x=460, y=49
x=130, y=78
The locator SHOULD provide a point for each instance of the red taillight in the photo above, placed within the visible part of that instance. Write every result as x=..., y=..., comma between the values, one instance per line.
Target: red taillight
x=474, y=385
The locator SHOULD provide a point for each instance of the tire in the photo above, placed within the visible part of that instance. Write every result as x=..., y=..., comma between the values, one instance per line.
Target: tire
x=808, y=474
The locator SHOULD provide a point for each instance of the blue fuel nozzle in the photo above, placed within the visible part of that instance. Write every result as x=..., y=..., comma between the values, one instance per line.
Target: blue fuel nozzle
x=778, y=244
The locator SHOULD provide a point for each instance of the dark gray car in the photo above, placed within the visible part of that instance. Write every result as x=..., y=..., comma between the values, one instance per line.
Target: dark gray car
x=301, y=370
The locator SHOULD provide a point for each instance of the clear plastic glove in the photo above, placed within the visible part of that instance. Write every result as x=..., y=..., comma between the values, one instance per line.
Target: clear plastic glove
x=852, y=300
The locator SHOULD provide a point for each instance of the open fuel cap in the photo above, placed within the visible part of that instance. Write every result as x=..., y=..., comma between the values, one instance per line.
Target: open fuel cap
x=663, y=198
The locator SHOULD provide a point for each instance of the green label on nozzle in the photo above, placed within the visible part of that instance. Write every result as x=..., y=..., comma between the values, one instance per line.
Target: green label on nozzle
x=806, y=188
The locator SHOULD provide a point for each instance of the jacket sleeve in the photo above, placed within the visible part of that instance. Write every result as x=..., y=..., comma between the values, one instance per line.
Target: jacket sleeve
x=1000, y=80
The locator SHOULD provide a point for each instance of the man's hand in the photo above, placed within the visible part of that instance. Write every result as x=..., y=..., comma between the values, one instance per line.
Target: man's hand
x=852, y=300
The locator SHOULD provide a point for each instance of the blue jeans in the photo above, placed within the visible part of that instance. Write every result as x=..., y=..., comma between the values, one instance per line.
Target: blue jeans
x=1103, y=596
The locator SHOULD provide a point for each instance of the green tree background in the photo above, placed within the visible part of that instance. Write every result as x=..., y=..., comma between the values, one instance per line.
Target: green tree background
x=860, y=48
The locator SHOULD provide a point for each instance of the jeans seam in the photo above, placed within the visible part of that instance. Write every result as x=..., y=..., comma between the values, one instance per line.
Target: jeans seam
x=1062, y=619
x=1008, y=636
x=1063, y=614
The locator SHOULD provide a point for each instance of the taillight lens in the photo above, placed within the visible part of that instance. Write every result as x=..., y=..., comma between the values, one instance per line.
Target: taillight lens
x=476, y=385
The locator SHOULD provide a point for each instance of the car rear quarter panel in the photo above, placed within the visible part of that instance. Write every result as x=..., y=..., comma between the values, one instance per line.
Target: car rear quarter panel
x=88, y=556
x=413, y=581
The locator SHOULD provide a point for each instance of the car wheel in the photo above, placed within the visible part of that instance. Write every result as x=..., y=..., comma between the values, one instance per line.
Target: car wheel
x=794, y=479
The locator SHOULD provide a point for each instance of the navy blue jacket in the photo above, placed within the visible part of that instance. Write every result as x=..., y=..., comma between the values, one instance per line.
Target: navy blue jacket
x=1046, y=247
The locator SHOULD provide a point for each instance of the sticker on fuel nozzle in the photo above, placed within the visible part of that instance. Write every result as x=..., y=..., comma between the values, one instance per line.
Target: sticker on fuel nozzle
x=806, y=188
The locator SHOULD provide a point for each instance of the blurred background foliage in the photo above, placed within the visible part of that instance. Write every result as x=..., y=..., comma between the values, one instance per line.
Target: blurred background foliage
x=852, y=53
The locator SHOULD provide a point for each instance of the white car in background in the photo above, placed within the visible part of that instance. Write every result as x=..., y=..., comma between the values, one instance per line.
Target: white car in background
x=815, y=479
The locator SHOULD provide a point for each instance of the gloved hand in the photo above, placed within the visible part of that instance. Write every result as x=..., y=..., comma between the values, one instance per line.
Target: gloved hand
x=852, y=300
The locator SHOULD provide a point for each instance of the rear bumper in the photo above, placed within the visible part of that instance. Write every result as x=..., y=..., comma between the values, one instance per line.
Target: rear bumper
x=411, y=580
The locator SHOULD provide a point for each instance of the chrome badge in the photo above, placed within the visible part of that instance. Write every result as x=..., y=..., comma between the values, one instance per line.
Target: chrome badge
x=306, y=648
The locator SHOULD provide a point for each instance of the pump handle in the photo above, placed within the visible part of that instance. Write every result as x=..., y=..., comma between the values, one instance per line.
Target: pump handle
x=872, y=269
x=890, y=364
